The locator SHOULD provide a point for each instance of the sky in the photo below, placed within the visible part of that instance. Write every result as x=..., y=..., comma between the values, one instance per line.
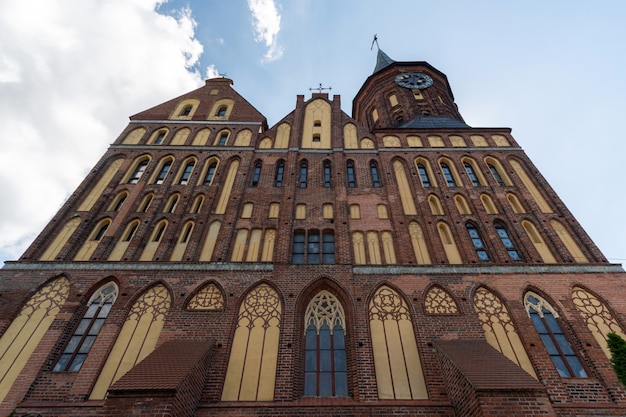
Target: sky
x=73, y=71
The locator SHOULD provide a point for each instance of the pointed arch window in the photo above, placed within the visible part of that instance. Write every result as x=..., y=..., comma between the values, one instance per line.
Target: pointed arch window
x=221, y=112
x=159, y=137
x=471, y=174
x=424, y=177
x=544, y=318
x=477, y=242
x=351, y=174
x=447, y=174
x=184, y=178
x=327, y=174
x=165, y=168
x=280, y=174
x=85, y=334
x=304, y=170
x=118, y=202
x=325, y=371
x=508, y=243
x=186, y=110
x=222, y=139
x=375, y=175
x=210, y=173
x=139, y=170
x=496, y=174
x=256, y=174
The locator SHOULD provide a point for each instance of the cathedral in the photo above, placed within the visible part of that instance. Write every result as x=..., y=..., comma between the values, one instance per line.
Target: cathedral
x=392, y=262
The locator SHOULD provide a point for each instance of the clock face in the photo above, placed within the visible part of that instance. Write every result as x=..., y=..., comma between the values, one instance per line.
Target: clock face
x=414, y=80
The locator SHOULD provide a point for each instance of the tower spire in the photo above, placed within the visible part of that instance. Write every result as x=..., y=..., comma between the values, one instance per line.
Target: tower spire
x=382, y=60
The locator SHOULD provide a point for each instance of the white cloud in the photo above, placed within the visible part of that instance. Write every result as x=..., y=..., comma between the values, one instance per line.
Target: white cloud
x=212, y=72
x=266, y=23
x=70, y=75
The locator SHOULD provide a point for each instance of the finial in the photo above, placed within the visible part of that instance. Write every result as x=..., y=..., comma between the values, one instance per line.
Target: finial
x=223, y=75
x=320, y=88
x=375, y=41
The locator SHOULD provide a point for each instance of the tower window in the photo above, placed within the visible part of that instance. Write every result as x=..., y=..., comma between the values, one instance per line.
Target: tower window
x=471, y=174
x=223, y=138
x=101, y=231
x=85, y=334
x=163, y=173
x=221, y=112
x=210, y=173
x=507, y=242
x=423, y=175
x=256, y=175
x=317, y=137
x=317, y=123
x=185, y=111
x=447, y=173
x=496, y=174
x=327, y=174
x=375, y=176
x=280, y=172
x=160, y=136
x=544, y=319
x=477, y=242
x=325, y=354
x=304, y=168
x=313, y=247
x=184, y=179
x=141, y=168
x=351, y=175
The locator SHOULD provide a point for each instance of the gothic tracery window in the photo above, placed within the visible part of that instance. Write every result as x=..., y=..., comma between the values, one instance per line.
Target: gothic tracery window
x=325, y=373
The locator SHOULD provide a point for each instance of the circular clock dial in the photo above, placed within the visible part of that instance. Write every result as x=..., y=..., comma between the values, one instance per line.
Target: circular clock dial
x=414, y=80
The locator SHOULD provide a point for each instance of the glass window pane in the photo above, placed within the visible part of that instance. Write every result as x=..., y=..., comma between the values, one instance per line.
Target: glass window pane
x=340, y=360
x=341, y=384
x=560, y=366
x=84, y=348
x=310, y=362
x=482, y=255
x=324, y=337
x=313, y=259
x=82, y=326
x=329, y=258
x=313, y=247
x=326, y=384
x=514, y=255
x=507, y=243
x=77, y=363
x=104, y=311
x=576, y=366
x=566, y=348
x=62, y=363
x=477, y=243
x=310, y=383
x=96, y=326
x=297, y=259
x=338, y=338
x=541, y=328
x=311, y=337
x=326, y=364
x=73, y=344
x=552, y=323
x=550, y=347
x=91, y=311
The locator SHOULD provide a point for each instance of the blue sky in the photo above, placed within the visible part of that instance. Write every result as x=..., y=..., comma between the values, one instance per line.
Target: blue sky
x=73, y=71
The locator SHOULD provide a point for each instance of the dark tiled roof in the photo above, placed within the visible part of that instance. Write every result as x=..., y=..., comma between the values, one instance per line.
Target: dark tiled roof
x=382, y=61
x=433, y=123
x=165, y=368
x=486, y=368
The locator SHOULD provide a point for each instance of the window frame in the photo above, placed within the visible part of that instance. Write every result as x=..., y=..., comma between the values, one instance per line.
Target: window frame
x=350, y=174
x=376, y=181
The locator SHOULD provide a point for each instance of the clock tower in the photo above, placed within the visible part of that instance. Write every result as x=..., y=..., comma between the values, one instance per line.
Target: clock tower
x=406, y=95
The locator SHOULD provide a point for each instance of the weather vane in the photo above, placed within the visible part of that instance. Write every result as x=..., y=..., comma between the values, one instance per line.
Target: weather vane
x=320, y=88
x=375, y=41
x=223, y=75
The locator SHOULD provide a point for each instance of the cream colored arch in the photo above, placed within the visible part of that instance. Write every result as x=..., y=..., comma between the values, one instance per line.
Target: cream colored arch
x=282, y=136
x=154, y=241
x=453, y=171
x=265, y=143
x=358, y=247
x=478, y=140
x=208, y=298
x=435, y=205
x=598, y=317
x=243, y=138
x=118, y=201
x=183, y=240
x=350, y=140
x=431, y=175
x=158, y=136
x=490, y=207
x=92, y=242
x=210, y=241
x=135, y=172
x=317, y=122
x=461, y=204
x=500, y=140
x=137, y=338
x=435, y=141
x=414, y=141
x=20, y=340
x=457, y=141
x=420, y=248
x=203, y=179
x=251, y=372
x=103, y=182
x=500, y=170
x=269, y=239
x=134, y=136
x=224, y=106
x=183, y=167
x=373, y=248
x=120, y=247
x=391, y=141
x=530, y=186
x=180, y=137
x=449, y=245
x=239, y=246
x=406, y=196
x=367, y=144
x=499, y=328
x=438, y=301
x=60, y=240
x=202, y=137
x=479, y=174
x=185, y=109
x=569, y=242
x=538, y=242
x=515, y=203
x=167, y=159
x=222, y=138
x=227, y=188
x=396, y=359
